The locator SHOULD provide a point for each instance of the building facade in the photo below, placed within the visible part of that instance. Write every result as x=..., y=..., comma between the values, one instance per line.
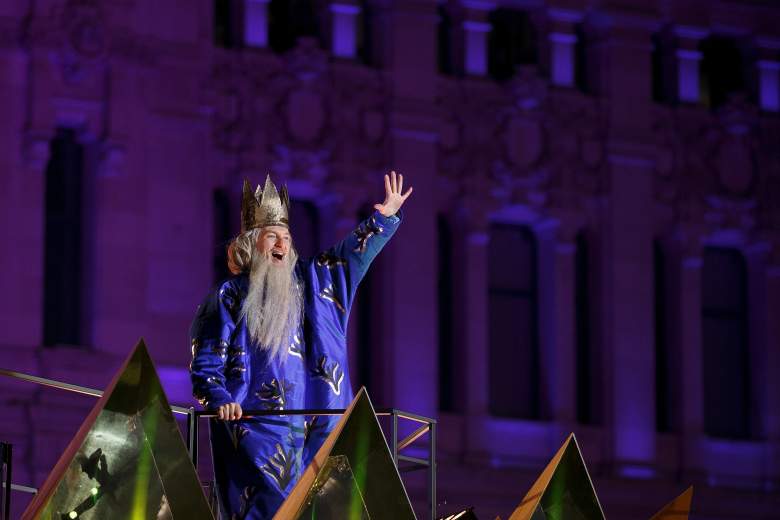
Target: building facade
x=593, y=244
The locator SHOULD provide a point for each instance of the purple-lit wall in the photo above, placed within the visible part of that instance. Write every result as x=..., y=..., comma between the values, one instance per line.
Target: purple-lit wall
x=573, y=143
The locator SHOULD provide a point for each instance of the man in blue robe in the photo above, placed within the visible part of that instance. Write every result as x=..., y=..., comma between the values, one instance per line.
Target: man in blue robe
x=273, y=337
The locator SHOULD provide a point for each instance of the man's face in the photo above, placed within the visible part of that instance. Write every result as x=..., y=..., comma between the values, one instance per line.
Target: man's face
x=274, y=243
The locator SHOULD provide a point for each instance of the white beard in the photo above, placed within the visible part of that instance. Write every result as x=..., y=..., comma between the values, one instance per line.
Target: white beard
x=273, y=307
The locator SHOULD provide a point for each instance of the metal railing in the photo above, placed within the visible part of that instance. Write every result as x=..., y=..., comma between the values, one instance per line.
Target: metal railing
x=428, y=426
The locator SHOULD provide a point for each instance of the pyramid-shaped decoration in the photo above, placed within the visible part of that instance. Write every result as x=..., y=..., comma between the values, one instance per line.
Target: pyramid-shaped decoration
x=127, y=460
x=677, y=509
x=352, y=476
x=564, y=490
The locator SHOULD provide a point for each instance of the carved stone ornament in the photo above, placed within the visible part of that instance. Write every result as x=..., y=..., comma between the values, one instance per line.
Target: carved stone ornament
x=307, y=61
x=232, y=111
x=735, y=165
x=524, y=139
x=86, y=39
x=305, y=114
x=298, y=163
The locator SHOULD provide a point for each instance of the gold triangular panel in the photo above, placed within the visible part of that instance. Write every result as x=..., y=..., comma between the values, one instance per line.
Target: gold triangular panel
x=677, y=509
x=564, y=490
x=127, y=460
x=352, y=475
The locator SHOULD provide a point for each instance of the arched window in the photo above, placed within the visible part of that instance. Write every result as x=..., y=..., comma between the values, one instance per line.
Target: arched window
x=725, y=344
x=513, y=335
x=62, y=294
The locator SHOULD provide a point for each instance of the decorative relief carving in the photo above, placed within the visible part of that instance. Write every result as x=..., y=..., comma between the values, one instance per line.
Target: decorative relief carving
x=533, y=147
x=305, y=115
x=311, y=118
x=716, y=171
x=36, y=152
x=86, y=40
x=292, y=162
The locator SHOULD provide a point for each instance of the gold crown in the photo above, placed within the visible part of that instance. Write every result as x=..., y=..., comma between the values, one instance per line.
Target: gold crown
x=265, y=207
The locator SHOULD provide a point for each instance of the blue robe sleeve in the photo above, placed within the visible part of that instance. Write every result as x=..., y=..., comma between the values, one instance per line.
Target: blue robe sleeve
x=210, y=334
x=347, y=262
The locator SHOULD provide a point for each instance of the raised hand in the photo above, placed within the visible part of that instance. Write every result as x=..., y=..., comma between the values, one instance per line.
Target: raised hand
x=394, y=196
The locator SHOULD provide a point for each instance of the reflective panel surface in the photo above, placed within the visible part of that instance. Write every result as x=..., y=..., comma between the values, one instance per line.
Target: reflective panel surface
x=127, y=460
x=355, y=469
x=335, y=494
x=563, y=491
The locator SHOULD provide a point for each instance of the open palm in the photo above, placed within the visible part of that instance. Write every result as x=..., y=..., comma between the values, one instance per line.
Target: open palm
x=394, y=196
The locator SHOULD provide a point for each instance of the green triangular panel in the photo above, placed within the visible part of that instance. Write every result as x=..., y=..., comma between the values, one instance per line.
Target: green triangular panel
x=563, y=491
x=570, y=494
x=353, y=474
x=127, y=460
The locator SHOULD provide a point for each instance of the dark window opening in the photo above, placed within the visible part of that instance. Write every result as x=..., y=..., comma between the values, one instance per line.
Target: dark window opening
x=580, y=60
x=584, y=356
x=513, y=334
x=365, y=34
x=722, y=71
x=305, y=228
x=663, y=380
x=658, y=70
x=222, y=234
x=725, y=344
x=290, y=20
x=63, y=298
x=444, y=41
x=512, y=42
x=226, y=22
x=445, y=297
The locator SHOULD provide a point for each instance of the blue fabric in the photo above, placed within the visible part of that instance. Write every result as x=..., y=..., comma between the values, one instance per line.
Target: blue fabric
x=258, y=461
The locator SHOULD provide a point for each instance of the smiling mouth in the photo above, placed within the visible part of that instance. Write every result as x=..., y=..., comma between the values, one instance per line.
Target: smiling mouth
x=277, y=255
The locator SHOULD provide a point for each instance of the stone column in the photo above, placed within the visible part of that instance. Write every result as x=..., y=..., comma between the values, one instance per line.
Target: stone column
x=769, y=85
x=627, y=270
x=344, y=29
x=256, y=23
x=630, y=329
x=411, y=289
x=688, y=59
x=23, y=166
x=563, y=41
x=769, y=74
x=470, y=292
x=475, y=37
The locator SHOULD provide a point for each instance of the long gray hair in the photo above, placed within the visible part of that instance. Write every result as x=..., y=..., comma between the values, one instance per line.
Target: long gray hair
x=273, y=306
x=241, y=250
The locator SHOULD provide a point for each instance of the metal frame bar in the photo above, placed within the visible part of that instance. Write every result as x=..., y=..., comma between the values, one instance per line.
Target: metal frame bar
x=6, y=456
x=419, y=432
x=192, y=428
x=70, y=387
